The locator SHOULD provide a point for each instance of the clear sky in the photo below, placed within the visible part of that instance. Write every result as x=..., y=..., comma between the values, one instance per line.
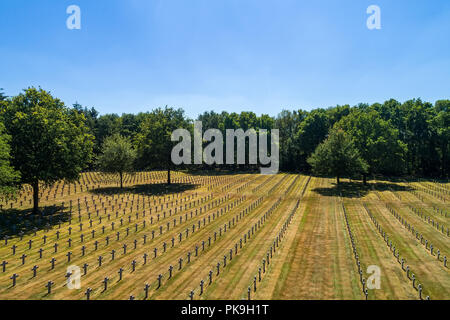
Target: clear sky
x=234, y=55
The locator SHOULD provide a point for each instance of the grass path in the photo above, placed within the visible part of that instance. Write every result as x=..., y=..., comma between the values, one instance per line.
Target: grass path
x=314, y=260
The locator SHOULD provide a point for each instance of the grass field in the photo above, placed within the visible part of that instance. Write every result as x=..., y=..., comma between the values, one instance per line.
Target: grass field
x=228, y=237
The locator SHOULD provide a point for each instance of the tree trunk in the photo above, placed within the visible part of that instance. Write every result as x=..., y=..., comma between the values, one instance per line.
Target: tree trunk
x=168, y=175
x=35, y=186
x=121, y=180
x=365, y=179
x=338, y=180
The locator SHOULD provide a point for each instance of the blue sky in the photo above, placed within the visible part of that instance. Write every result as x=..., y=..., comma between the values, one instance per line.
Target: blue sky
x=234, y=55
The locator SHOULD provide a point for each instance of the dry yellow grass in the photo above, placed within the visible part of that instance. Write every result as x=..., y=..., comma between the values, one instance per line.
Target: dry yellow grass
x=313, y=259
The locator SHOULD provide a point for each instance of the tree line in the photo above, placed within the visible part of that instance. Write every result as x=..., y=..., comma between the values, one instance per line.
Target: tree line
x=42, y=140
x=393, y=138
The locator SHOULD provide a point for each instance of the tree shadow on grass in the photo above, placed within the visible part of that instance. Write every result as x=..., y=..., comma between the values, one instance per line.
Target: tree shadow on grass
x=147, y=189
x=358, y=189
x=219, y=171
x=16, y=222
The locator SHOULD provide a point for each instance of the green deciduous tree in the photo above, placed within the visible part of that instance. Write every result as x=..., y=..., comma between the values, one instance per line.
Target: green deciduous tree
x=107, y=125
x=419, y=126
x=9, y=178
x=420, y=137
x=288, y=123
x=2, y=95
x=337, y=156
x=312, y=131
x=377, y=141
x=117, y=156
x=154, y=143
x=441, y=124
x=49, y=141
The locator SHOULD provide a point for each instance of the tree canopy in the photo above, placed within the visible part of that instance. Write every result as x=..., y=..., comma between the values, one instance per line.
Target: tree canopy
x=9, y=177
x=376, y=140
x=414, y=132
x=49, y=141
x=393, y=138
x=154, y=143
x=117, y=157
x=441, y=123
x=2, y=95
x=311, y=132
x=337, y=156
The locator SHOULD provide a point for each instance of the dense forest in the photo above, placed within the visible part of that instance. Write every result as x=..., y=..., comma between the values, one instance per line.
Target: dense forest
x=396, y=139
x=42, y=140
